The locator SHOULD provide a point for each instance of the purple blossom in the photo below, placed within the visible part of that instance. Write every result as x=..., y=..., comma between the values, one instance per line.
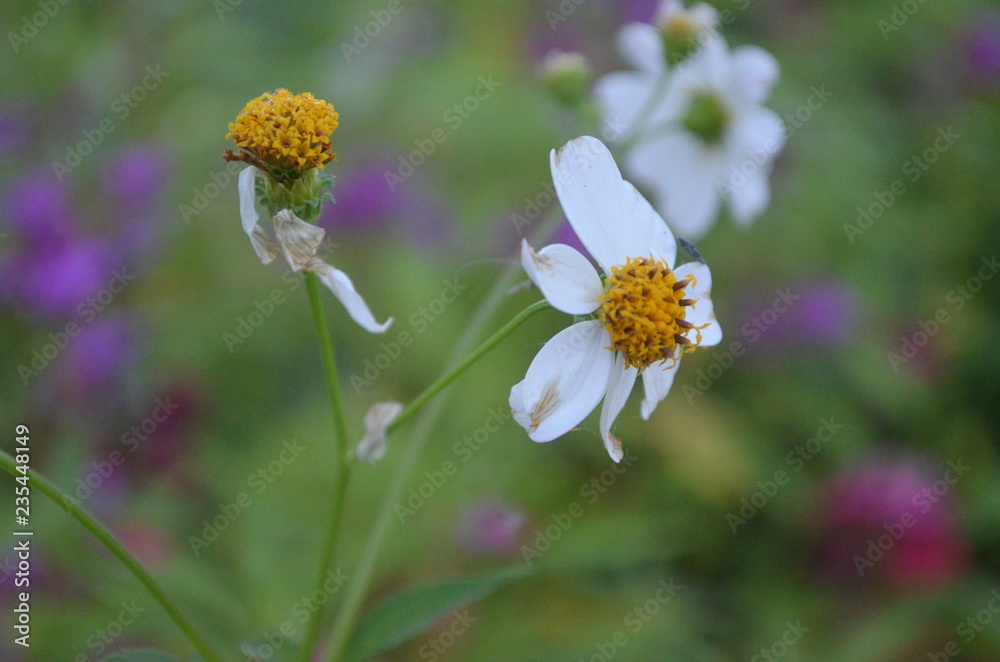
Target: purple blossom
x=565, y=234
x=57, y=279
x=429, y=222
x=983, y=50
x=827, y=312
x=39, y=211
x=642, y=11
x=364, y=199
x=489, y=527
x=808, y=314
x=99, y=354
x=892, y=517
x=136, y=178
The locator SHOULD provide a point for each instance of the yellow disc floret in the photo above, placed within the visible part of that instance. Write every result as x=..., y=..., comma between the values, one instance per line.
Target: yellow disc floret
x=284, y=132
x=643, y=309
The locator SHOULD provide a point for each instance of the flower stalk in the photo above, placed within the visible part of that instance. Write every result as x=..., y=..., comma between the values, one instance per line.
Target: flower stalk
x=113, y=545
x=357, y=586
x=342, y=468
x=445, y=380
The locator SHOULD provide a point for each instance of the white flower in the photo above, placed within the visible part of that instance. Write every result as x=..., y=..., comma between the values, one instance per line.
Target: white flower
x=708, y=137
x=377, y=420
x=645, y=316
x=624, y=94
x=299, y=241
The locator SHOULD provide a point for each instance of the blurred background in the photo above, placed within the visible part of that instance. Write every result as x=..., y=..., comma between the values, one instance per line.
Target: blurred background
x=826, y=490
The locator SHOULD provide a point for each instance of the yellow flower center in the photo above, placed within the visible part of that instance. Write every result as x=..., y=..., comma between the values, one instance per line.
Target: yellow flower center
x=643, y=309
x=680, y=25
x=284, y=132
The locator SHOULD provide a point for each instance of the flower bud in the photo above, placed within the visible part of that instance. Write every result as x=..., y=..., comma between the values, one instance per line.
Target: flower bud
x=684, y=30
x=567, y=77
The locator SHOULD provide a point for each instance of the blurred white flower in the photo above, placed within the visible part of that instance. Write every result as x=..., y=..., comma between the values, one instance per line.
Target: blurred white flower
x=716, y=141
x=381, y=415
x=299, y=241
x=697, y=133
x=648, y=49
x=643, y=314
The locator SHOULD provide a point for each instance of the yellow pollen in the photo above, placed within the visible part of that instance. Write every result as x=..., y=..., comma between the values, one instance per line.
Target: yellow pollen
x=643, y=309
x=680, y=24
x=288, y=132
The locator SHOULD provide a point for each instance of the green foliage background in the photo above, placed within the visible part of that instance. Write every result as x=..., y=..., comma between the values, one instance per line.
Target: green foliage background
x=665, y=516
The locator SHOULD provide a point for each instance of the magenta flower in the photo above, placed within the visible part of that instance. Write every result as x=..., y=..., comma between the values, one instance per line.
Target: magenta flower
x=893, y=519
x=490, y=527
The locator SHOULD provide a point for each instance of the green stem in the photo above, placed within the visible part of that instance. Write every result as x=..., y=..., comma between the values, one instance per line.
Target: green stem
x=108, y=539
x=645, y=113
x=342, y=467
x=357, y=587
x=445, y=380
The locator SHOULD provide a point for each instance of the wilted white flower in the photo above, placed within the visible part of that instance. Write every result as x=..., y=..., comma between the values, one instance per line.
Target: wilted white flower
x=381, y=415
x=299, y=241
x=643, y=317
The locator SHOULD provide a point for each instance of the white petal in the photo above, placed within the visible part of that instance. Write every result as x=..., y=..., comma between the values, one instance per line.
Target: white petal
x=755, y=71
x=758, y=130
x=667, y=9
x=651, y=237
x=265, y=249
x=656, y=381
x=517, y=405
x=611, y=218
x=702, y=312
x=343, y=289
x=749, y=198
x=299, y=240
x=710, y=66
x=566, y=278
x=641, y=46
x=248, y=198
x=620, y=382
x=758, y=136
x=685, y=176
x=381, y=415
x=263, y=246
x=622, y=95
x=705, y=16
x=566, y=380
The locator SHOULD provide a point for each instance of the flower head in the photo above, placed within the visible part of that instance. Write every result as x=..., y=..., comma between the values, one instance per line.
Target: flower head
x=489, y=526
x=286, y=140
x=299, y=242
x=909, y=497
x=684, y=30
x=644, y=316
x=707, y=137
x=285, y=134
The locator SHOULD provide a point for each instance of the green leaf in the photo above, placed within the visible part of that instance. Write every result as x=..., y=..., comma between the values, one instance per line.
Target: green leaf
x=407, y=614
x=137, y=655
